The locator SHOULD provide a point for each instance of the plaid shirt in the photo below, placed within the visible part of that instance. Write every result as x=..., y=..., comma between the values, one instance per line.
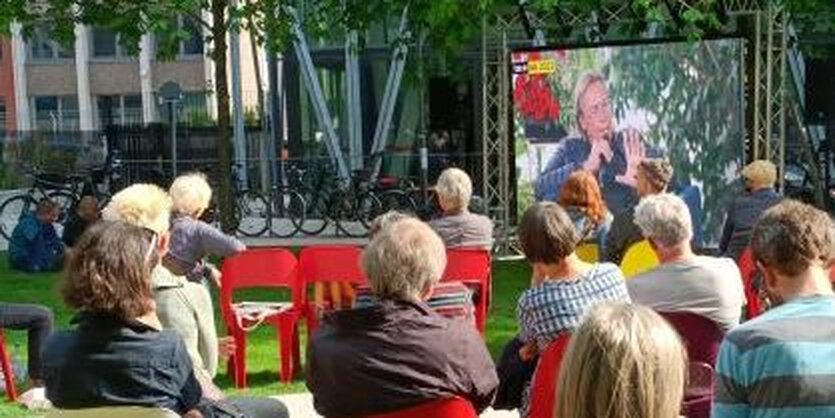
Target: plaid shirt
x=552, y=307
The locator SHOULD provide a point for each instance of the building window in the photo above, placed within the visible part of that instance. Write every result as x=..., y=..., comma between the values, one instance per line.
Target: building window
x=3, y=115
x=194, y=44
x=43, y=47
x=106, y=44
x=56, y=113
x=119, y=110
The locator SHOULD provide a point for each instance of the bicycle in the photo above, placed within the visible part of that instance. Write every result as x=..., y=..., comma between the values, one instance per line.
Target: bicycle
x=64, y=190
x=251, y=208
x=286, y=206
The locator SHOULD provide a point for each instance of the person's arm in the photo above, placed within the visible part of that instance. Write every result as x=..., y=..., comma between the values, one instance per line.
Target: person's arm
x=727, y=230
x=214, y=242
x=190, y=391
x=730, y=394
x=615, y=241
x=207, y=341
x=562, y=163
x=481, y=372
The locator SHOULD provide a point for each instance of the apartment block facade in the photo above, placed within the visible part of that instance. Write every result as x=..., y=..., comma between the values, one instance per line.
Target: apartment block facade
x=95, y=82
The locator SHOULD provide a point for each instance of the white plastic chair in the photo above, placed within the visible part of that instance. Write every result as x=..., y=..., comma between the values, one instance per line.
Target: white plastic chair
x=113, y=411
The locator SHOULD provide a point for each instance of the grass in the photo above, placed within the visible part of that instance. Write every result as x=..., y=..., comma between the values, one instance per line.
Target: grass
x=510, y=278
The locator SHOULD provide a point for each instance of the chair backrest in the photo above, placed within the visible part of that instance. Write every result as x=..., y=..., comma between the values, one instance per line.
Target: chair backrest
x=588, y=252
x=640, y=257
x=701, y=335
x=467, y=265
x=544, y=383
x=444, y=408
x=748, y=271
x=260, y=267
x=331, y=263
x=113, y=411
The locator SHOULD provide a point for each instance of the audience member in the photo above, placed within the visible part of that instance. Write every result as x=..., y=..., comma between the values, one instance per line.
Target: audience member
x=119, y=354
x=707, y=286
x=37, y=321
x=779, y=364
x=191, y=239
x=624, y=361
x=398, y=352
x=35, y=245
x=759, y=178
x=563, y=287
x=580, y=197
x=86, y=212
x=654, y=175
x=458, y=227
x=181, y=305
x=450, y=299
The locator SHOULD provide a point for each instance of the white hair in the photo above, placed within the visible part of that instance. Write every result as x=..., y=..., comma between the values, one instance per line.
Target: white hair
x=404, y=260
x=665, y=219
x=142, y=205
x=190, y=193
x=455, y=187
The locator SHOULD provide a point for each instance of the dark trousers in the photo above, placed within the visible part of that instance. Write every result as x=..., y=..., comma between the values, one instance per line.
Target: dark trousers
x=37, y=320
x=254, y=407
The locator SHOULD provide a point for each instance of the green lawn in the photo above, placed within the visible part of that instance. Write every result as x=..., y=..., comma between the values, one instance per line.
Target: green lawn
x=510, y=278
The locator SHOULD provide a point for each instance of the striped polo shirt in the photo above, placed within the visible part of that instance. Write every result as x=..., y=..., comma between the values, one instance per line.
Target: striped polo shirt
x=781, y=364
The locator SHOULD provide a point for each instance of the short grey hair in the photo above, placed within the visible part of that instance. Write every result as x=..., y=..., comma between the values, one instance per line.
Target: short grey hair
x=455, y=186
x=190, y=193
x=665, y=219
x=586, y=79
x=404, y=260
x=383, y=221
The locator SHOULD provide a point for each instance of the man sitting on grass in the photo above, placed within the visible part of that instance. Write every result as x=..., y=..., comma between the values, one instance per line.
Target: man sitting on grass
x=35, y=245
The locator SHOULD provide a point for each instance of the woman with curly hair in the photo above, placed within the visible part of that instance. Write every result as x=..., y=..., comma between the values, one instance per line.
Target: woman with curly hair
x=581, y=198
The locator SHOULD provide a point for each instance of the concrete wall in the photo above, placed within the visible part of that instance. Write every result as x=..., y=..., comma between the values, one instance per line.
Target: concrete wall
x=54, y=78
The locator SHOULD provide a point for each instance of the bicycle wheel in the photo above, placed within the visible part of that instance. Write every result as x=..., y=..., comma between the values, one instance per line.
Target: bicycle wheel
x=12, y=210
x=316, y=215
x=395, y=199
x=354, y=214
x=288, y=214
x=65, y=200
x=251, y=211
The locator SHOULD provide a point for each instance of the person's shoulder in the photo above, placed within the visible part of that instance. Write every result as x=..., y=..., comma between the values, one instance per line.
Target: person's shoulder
x=607, y=270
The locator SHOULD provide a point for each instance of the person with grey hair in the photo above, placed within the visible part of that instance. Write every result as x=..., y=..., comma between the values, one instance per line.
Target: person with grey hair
x=398, y=352
x=612, y=156
x=684, y=282
x=458, y=227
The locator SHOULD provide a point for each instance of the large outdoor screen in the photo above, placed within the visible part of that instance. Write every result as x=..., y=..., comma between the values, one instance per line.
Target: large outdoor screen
x=679, y=100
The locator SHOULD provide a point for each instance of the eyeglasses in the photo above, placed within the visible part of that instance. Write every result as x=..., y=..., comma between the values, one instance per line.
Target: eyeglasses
x=153, y=244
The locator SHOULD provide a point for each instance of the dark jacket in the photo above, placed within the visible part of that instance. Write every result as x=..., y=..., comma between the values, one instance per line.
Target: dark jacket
x=622, y=235
x=73, y=228
x=394, y=355
x=35, y=246
x=107, y=361
x=743, y=214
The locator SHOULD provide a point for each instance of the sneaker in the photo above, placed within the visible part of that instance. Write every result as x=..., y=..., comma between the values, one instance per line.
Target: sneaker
x=35, y=398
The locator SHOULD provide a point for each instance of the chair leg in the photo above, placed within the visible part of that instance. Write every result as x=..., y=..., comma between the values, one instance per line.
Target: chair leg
x=297, y=363
x=8, y=372
x=238, y=360
x=481, y=310
x=285, y=341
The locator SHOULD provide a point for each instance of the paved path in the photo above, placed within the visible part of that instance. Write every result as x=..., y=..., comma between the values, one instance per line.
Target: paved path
x=300, y=405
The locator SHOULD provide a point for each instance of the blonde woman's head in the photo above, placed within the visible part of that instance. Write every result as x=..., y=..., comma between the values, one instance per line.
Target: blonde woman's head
x=624, y=361
x=191, y=194
x=143, y=205
x=454, y=189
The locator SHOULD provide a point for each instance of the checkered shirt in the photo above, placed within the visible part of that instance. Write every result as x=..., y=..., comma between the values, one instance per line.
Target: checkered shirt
x=552, y=307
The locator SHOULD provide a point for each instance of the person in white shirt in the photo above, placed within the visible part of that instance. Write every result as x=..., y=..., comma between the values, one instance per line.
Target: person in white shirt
x=707, y=286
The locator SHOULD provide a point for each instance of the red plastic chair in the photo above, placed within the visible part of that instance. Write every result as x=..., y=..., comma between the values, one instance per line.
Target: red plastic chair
x=748, y=271
x=544, y=383
x=444, y=408
x=263, y=268
x=8, y=372
x=324, y=264
x=701, y=335
x=472, y=267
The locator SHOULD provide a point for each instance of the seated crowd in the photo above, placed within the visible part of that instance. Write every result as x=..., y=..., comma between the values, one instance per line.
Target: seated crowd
x=144, y=330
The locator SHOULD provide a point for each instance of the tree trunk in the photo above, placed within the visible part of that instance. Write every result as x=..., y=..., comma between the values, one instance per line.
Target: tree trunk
x=225, y=198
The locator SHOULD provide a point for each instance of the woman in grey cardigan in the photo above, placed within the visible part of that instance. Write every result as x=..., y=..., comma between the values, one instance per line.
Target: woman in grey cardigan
x=191, y=239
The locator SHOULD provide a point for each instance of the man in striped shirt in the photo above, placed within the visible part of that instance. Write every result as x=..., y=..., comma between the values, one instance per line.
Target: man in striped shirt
x=782, y=364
